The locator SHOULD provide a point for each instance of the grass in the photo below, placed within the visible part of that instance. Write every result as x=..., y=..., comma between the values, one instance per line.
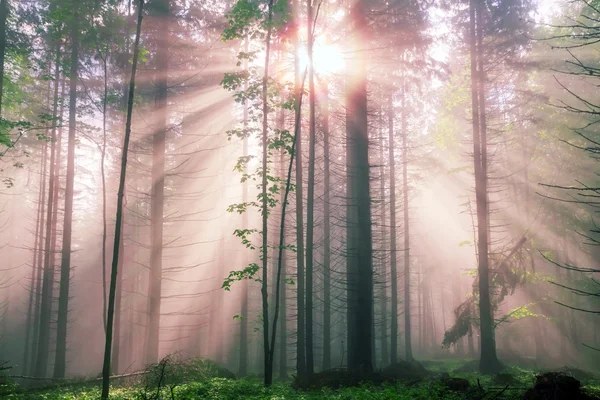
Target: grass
x=252, y=389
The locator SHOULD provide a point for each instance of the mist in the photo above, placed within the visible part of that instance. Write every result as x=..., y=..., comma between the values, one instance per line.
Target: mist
x=308, y=187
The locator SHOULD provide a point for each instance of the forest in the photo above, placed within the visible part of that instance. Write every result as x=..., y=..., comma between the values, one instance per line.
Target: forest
x=299, y=199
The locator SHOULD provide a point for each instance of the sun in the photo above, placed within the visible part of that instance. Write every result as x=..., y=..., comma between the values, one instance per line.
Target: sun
x=328, y=58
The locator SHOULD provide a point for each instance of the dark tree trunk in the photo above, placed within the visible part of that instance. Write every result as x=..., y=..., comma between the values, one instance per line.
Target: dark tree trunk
x=119, y=216
x=264, y=290
x=489, y=362
x=407, y=319
x=310, y=202
x=44, y=300
x=359, y=240
x=65, y=265
x=48, y=249
x=326, y=234
x=393, y=237
x=383, y=264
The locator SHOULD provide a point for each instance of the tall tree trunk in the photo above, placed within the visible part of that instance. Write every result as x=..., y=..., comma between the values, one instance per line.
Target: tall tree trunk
x=243, y=360
x=359, y=253
x=264, y=290
x=158, y=182
x=48, y=249
x=119, y=216
x=3, y=16
x=103, y=178
x=489, y=362
x=46, y=281
x=326, y=233
x=393, y=237
x=300, y=321
x=65, y=265
x=383, y=264
x=283, y=373
x=310, y=201
x=407, y=319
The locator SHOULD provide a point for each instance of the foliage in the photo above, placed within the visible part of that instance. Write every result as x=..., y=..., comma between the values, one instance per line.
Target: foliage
x=252, y=388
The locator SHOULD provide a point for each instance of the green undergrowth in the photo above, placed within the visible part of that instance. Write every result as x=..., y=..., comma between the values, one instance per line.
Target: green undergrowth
x=511, y=384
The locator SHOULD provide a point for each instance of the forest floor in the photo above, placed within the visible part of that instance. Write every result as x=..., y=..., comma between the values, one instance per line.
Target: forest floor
x=447, y=380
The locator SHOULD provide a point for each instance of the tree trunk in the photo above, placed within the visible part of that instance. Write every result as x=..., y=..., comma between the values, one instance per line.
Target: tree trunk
x=383, y=264
x=158, y=183
x=326, y=233
x=489, y=362
x=268, y=357
x=407, y=319
x=243, y=360
x=310, y=202
x=65, y=265
x=42, y=319
x=119, y=216
x=359, y=243
x=393, y=237
x=300, y=338
x=48, y=249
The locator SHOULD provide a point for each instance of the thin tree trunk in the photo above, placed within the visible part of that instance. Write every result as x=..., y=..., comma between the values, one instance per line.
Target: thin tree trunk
x=407, y=319
x=65, y=266
x=300, y=337
x=383, y=269
x=326, y=233
x=310, y=202
x=119, y=216
x=243, y=360
x=103, y=178
x=48, y=249
x=158, y=184
x=46, y=282
x=393, y=237
x=283, y=373
x=268, y=356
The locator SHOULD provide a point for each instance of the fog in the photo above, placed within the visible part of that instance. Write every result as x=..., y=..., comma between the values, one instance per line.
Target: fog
x=193, y=186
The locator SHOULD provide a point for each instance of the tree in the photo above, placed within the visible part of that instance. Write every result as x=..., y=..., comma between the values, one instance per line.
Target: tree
x=119, y=217
x=359, y=240
x=65, y=266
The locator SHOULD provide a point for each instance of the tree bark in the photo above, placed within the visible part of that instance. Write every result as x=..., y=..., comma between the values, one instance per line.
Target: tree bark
x=65, y=265
x=310, y=201
x=359, y=240
x=393, y=237
x=407, y=319
x=326, y=233
x=119, y=216
x=489, y=362
x=300, y=327
x=243, y=360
